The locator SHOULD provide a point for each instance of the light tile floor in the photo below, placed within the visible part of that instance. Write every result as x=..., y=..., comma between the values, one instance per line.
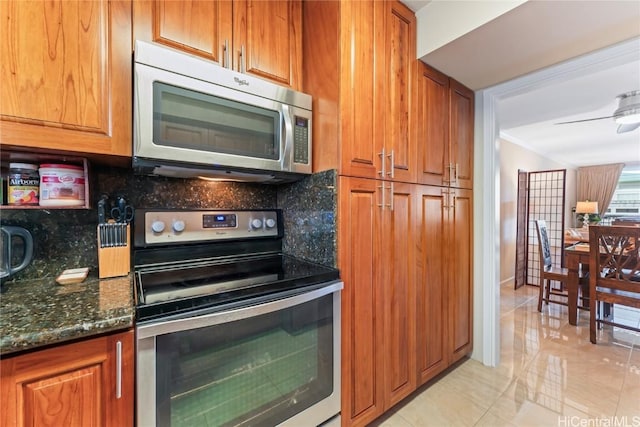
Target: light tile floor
x=549, y=375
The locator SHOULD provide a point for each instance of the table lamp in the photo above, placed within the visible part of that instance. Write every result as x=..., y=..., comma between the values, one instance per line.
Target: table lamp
x=586, y=208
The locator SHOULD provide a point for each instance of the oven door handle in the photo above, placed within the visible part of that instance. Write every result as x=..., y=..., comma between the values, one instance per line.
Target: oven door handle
x=226, y=316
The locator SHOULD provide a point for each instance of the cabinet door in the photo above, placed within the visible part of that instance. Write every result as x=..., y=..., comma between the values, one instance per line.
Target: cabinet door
x=66, y=75
x=433, y=127
x=431, y=281
x=198, y=27
x=362, y=326
x=460, y=285
x=73, y=384
x=361, y=113
x=399, y=293
x=461, y=136
x=400, y=60
x=267, y=40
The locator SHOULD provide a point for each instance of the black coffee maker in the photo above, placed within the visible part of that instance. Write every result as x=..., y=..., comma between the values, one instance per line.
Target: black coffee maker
x=16, y=250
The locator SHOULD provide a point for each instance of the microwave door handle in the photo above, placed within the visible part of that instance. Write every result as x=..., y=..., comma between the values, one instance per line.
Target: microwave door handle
x=287, y=136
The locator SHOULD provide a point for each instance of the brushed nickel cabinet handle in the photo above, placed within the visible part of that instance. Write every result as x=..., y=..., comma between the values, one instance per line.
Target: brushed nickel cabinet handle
x=392, y=164
x=225, y=60
x=381, y=187
x=118, y=370
x=243, y=60
x=391, y=196
x=382, y=156
x=445, y=198
x=455, y=174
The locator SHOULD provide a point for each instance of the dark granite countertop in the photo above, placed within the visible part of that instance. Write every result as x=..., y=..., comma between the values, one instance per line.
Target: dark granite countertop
x=35, y=313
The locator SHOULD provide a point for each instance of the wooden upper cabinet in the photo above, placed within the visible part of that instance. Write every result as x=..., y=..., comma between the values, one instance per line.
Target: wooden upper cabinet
x=400, y=59
x=445, y=130
x=361, y=111
x=267, y=40
x=66, y=75
x=433, y=127
x=461, y=106
x=198, y=27
x=378, y=140
x=71, y=385
x=262, y=38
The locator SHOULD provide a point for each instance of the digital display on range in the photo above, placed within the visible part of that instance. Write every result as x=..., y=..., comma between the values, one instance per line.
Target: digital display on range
x=219, y=221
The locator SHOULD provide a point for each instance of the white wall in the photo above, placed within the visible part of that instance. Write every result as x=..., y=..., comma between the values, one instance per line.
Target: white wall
x=512, y=158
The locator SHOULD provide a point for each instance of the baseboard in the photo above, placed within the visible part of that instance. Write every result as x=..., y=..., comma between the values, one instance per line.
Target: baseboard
x=510, y=279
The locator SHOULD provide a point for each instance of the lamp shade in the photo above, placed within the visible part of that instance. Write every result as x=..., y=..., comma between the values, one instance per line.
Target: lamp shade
x=587, y=207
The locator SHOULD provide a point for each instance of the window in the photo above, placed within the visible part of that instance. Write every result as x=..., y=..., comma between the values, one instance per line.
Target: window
x=626, y=199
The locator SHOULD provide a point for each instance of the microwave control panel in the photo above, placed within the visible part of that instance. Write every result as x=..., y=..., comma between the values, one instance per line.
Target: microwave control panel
x=301, y=140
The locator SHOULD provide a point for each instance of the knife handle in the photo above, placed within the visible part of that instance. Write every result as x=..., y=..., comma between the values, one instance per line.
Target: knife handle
x=102, y=210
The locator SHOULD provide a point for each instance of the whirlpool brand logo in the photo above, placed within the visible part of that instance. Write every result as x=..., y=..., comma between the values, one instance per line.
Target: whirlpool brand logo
x=241, y=82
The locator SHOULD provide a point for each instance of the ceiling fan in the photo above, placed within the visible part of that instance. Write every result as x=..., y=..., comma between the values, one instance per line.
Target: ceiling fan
x=627, y=115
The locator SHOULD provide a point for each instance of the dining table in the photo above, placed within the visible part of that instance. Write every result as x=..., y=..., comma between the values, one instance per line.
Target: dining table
x=576, y=259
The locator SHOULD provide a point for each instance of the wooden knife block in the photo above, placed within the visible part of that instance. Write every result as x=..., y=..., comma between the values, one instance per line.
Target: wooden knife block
x=114, y=261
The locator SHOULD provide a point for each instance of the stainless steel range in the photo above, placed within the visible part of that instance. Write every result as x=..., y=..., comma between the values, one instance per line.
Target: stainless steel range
x=231, y=331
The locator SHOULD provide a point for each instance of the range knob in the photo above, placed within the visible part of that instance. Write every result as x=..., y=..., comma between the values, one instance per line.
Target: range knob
x=178, y=226
x=256, y=223
x=157, y=226
x=270, y=222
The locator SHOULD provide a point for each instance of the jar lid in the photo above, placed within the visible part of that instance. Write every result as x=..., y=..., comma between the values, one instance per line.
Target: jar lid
x=22, y=166
x=60, y=166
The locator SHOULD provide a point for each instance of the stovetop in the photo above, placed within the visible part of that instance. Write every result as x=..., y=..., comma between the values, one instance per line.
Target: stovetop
x=209, y=260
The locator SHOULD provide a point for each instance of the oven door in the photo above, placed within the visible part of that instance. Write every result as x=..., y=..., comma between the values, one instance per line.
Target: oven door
x=267, y=364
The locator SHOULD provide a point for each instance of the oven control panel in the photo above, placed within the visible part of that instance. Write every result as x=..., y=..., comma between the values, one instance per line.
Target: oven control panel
x=180, y=226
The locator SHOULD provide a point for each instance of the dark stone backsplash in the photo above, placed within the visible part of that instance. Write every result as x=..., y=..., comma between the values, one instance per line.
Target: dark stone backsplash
x=66, y=238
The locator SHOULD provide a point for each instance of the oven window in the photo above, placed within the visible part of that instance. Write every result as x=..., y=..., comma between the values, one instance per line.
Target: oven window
x=256, y=371
x=187, y=119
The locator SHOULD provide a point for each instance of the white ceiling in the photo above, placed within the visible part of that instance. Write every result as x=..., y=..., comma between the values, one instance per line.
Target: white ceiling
x=537, y=35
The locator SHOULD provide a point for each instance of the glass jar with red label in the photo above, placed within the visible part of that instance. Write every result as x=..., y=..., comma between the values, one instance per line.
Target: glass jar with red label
x=23, y=184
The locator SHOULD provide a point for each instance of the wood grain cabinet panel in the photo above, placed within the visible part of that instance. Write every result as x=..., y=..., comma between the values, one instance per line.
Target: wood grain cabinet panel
x=398, y=261
x=431, y=282
x=66, y=75
x=444, y=286
x=262, y=38
x=71, y=384
x=400, y=59
x=461, y=105
x=377, y=264
x=445, y=130
x=362, y=297
x=460, y=284
x=433, y=127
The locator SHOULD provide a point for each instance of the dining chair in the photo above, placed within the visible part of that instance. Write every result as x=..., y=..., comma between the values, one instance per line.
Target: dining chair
x=547, y=270
x=615, y=274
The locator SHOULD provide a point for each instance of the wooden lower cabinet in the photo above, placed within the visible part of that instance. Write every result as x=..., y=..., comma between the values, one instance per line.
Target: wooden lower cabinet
x=459, y=252
x=405, y=258
x=431, y=295
x=378, y=302
x=444, y=286
x=86, y=383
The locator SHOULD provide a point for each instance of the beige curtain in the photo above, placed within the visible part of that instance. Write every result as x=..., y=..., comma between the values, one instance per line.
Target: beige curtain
x=598, y=183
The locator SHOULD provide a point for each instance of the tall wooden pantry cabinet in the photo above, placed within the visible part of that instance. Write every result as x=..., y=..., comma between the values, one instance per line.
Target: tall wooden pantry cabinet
x=404, y=238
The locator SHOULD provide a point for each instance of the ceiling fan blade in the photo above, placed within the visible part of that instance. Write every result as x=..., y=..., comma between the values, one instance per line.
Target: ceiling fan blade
x=628, y=128
x=584, y=120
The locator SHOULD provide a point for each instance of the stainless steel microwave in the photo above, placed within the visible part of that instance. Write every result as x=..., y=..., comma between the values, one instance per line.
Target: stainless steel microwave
x=194, y=118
